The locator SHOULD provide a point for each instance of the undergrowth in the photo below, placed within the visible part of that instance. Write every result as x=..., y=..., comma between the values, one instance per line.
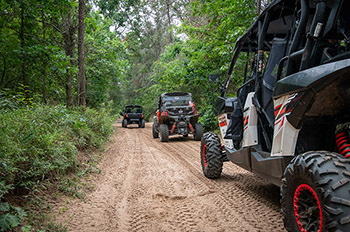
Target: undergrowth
x=40, y=147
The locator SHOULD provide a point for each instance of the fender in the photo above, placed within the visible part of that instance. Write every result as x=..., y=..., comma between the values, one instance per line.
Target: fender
x=313, y=86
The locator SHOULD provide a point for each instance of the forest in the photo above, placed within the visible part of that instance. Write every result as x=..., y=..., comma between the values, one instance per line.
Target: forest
x=68, y=67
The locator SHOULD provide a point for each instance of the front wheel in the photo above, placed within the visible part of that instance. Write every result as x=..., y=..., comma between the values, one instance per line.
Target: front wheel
x=315, y=193
x=198, y=132
x=155, y=131
x=163, y=133
x=211, y=155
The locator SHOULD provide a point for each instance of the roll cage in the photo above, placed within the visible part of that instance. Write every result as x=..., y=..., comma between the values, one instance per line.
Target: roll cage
x=313, y=33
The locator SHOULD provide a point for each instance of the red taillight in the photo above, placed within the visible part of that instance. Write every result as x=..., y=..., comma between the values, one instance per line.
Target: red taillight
x=165, y=113
x=192, y=105
x=126, y=115
x=142, y=116
x=195, y=112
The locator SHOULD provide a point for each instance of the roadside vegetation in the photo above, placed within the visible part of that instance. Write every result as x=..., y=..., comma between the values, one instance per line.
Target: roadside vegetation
x=40, y=145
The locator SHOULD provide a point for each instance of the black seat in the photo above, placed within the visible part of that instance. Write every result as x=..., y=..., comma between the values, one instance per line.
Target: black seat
x=270, y=76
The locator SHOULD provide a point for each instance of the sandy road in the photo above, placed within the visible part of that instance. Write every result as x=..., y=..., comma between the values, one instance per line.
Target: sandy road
x=147, y=185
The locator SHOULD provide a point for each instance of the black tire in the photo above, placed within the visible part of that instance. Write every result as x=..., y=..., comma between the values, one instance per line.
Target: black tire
x=125, y=123
x=198, y=132
x=163, y=133
x=318, y=181
x=142, y=123
x=155, y=131
x=211, y=155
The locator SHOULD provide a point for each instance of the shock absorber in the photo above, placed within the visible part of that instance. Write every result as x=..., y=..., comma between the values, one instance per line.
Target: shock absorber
x=342, y=140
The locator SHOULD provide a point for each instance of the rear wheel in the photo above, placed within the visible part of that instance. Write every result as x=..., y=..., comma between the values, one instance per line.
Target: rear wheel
x=155, y=131
x=315, y=193
x=198, y=132
x=164, y=133
x=211, y=155
x=125, y=123
x=142, y=123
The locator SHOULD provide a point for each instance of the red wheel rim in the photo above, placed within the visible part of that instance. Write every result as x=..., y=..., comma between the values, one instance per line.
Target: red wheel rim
x=307, y=209
x=203, y=153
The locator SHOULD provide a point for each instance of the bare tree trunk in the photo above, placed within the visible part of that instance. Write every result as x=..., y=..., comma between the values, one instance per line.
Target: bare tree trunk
x=169, y=21
x=44, y=63
x=4, y=70
x=68, y=37
x=81, y=55
x=24, y=59
x=259, y=6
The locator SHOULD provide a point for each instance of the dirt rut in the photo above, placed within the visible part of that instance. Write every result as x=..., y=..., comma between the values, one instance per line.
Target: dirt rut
x=147, y=185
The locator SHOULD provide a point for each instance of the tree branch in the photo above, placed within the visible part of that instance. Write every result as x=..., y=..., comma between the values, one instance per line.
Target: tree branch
x=50, y=24
x=8, y=14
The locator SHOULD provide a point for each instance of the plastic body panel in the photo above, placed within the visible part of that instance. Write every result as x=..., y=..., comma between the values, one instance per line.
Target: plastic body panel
x=223, y=123
x=250, y=121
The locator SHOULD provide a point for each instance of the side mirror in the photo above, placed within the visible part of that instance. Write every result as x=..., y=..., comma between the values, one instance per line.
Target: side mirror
x=214, y=77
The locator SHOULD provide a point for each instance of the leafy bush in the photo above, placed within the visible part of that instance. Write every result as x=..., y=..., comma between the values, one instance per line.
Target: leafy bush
x=42, y=142
x=208, y=119
x=10, y=216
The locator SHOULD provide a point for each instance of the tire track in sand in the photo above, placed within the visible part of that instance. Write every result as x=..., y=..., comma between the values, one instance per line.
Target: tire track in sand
x=151, y=186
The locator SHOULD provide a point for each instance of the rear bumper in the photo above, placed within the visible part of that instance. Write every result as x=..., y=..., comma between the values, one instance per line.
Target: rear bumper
x=134, y=120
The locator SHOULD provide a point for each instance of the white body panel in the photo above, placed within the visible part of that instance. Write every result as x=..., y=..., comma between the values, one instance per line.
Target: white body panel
x=285, y=135
x=224, y=122
x=250, y=122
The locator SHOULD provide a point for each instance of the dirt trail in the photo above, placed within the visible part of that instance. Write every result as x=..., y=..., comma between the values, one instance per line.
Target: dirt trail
x=147, y=185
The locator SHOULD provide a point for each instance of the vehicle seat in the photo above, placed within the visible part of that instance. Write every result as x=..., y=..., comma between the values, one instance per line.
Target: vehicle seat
x=270, y=76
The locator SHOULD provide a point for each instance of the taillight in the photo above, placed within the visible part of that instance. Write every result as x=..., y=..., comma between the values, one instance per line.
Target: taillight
x=195, y=112
x=126, y=115
x=192, y=105
x=165, y=113
x=142, y=116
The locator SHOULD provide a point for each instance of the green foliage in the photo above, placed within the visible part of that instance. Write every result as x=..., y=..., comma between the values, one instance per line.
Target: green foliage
x=186, y=63
x=10, y=216
x=43, y=142
x=208, y=119
x=105, y=63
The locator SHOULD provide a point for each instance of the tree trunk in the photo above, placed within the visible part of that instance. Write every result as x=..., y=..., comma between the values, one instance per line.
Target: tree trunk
x=169, y=21
x=68, y=37
x=24, y=59
x=44, y=63
x=81, y=56
x=4, y=70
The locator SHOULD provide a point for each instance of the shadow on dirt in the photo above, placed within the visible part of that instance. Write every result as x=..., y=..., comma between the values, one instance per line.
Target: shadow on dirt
x=180, y=138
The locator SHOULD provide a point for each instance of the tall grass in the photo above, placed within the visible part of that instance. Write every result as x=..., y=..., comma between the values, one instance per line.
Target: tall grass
x=42, y=142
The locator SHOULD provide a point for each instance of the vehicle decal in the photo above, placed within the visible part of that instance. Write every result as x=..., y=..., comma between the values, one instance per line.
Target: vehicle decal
x=245, y=122
x=222, y=121
x=287, y=107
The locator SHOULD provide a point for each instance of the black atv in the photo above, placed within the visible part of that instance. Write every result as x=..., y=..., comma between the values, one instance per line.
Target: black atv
x=133, y=115
x=290, y=122
x=176, y=115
